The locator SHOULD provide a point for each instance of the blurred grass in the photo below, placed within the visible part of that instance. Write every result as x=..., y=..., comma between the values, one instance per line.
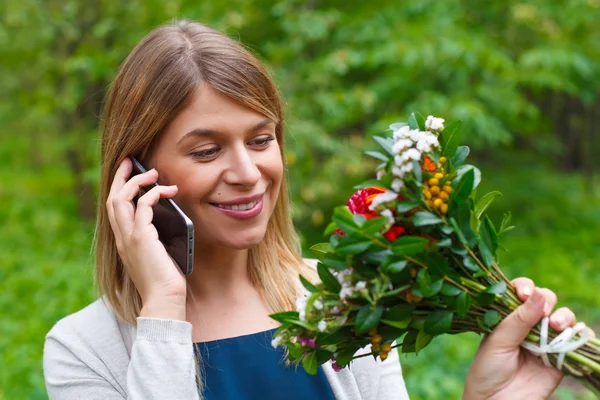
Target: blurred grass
x=46, y=273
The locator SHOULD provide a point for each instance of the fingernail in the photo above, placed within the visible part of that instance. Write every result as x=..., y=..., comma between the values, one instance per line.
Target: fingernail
x=536, y=298
x=527, y=290
x=547, y=309
x=560, y=321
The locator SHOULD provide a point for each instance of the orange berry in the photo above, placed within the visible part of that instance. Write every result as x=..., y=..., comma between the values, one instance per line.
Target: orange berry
x=413, y=272
x=427, y=194
x=444, y=196
x=447, y=188
x=435, y=190
x=373, y=332
x=434, y=182
x=383, y=356
x=444, y=208
x=439, y=175
x=443, y=160
x=376, y=339
x=387, y=348
x=375, y=347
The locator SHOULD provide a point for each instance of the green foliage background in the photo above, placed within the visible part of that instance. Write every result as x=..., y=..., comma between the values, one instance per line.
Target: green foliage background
x=521, y=75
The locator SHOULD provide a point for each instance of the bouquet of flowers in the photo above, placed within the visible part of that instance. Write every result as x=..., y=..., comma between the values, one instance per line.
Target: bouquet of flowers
x=411, y=256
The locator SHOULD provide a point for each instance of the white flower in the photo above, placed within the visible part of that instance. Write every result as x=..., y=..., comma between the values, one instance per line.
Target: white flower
x=335, y=310
x=407, y=168
x=322, y=325
x=360, y=285
x=341, y=276
x=401, y=145
x=346, y=291
x=434, y=124
x=381, y=173
x=276, y=341
x=318, y=304
x=424, y=146
x=301, y=307
x=402, y=133
x=416, y=135
x=382, y=198
x=411, y=154
x=389, y=215
x=397, y=185
x=397, y=171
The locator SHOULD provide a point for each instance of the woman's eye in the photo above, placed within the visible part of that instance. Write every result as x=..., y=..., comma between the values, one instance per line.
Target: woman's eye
x=206, y=153
x=262, y=142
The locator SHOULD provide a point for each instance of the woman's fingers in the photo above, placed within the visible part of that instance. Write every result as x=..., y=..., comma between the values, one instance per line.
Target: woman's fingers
x=551, y=300
x=562, y=318
x=118, y=182
x=144, y=212
x=524, y=287
x=123, y=201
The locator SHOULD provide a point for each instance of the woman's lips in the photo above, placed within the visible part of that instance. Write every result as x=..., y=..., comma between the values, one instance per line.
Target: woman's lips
x=241, y=214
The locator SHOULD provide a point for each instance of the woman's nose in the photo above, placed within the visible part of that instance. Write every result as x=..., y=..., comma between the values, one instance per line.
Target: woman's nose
x=243, y=169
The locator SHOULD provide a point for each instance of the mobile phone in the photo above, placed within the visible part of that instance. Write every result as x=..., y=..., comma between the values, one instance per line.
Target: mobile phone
x=175, y=229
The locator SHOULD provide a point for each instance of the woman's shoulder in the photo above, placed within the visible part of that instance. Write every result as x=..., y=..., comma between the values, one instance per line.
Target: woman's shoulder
x=95, y=323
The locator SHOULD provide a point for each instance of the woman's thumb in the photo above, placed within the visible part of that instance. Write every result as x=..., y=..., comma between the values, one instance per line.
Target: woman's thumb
x=513, y=330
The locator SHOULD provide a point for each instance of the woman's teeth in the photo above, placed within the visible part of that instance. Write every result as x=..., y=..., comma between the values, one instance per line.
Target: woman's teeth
x=239, y=207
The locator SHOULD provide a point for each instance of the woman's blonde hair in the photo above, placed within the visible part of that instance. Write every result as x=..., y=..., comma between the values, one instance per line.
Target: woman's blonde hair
x=154, y=83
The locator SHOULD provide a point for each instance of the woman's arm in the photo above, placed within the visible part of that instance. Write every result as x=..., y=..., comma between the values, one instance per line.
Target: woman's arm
x=162, y=364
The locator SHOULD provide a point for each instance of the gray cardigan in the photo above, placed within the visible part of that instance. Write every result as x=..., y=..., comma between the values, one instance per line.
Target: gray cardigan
x=93, y=355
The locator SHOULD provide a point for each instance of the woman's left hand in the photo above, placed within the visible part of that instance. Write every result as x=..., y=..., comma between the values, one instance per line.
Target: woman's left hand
x=501, y=368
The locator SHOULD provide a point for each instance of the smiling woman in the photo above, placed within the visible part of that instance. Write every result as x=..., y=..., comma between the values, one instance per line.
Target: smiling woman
x=203, y=112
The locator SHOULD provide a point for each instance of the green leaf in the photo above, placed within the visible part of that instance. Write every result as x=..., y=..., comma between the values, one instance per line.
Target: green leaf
x=309, y=286
x=409, y=245
x=331, y=227
x=359, y=219
x=449, y=289
x=438, y=322
x=476, y=174
x=285, y=316
x=459, y=156
x=386, y=143
x=417, y=171
x=309, y=362
x=458, y=232
x=367, y=184
x=409, y=341
x=396, y=324
x=491, y=231
x=345, y=355
x=367, y=318
x=353, y=248
x=505, y=225
x=330, y=281
x=405, y=206
x=450, y=138
x=484, y=243
x=424, y=218
x=395, y=267
x=377, y=155
x=334, y=263
x=491, y=318
x=463, y=303
x=343, y=218
x=399, y=312
x=484, y=202
x=496, y=288
x=471, y=264
x=485, y=299
x=423, y=339
x=374, y=225
x=463, y=187
x=320, y=249
x=416, y=121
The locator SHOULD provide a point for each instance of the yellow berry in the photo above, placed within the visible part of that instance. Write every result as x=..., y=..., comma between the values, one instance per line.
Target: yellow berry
x=438, y=202
x=387, y=348
x=435, y=190
x=443, y=160
x=439, y=175
x=443, y=196
x=375, y=347
x=413, y=272
x=373, y=332
x=427, y=194
x=383, y=356
x=434, y=182
x=376, y=339
x=444, y=208
x=446, y=188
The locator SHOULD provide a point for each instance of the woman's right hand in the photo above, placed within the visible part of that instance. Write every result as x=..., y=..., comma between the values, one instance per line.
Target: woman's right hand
x=160, y=283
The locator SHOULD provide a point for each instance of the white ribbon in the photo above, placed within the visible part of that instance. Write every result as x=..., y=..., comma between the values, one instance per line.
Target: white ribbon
x=561, y=344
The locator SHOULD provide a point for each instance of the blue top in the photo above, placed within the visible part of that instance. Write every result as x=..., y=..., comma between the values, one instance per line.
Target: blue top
x=249, y=368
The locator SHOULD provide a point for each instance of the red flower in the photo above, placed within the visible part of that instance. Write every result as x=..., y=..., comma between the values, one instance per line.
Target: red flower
x=359, y=204
x=394, y=232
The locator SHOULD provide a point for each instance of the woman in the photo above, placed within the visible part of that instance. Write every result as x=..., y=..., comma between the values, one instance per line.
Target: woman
x=203, y=113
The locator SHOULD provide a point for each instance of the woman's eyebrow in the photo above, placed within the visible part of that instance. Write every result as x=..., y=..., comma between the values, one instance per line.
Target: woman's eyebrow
x=212, y=132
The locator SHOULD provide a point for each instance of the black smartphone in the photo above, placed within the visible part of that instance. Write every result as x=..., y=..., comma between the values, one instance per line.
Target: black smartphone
x=175, y=229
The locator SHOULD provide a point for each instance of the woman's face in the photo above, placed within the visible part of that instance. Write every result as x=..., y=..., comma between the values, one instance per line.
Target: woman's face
x=226, y=162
